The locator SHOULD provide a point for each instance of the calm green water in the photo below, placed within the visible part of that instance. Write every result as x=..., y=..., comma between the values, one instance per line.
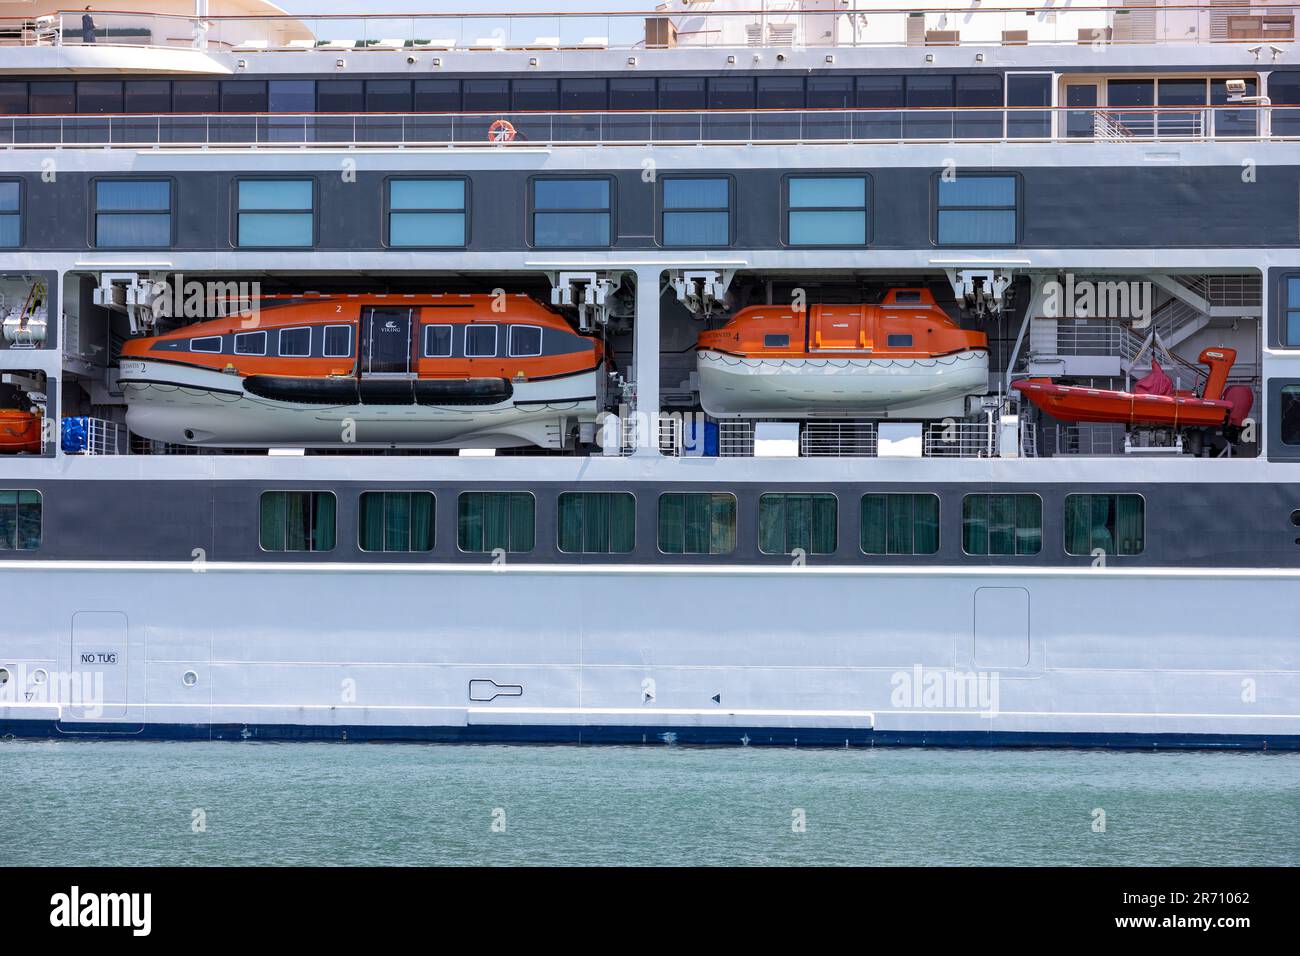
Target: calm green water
x=79, y=802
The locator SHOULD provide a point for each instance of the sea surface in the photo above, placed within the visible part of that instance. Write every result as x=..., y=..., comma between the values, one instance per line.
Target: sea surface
x=93, y=803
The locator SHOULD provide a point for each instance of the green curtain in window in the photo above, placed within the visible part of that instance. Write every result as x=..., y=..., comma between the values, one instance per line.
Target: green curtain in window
x=1101, y=521
x=622, y=523
x=975, y=524
x=873, y=523
x=926, y=529
x=496, y=521
x=397, y=521
x=1078, y=533
x=422, y=511
x=672, y=523
x=771, y=524
x=697, y=516
x=571, y=522
x=722, y=524
x=522, y=521
x=1002, y=524
x=274, y=520
x=595, y=523
x=900, y=518
x=372, y=521
x=8, y=520
x=1029, y=523
x=322, y=532
x=1129, y=524
x=469, y=522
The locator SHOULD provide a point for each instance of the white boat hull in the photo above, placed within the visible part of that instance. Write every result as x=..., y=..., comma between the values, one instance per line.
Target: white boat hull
x=840, y=386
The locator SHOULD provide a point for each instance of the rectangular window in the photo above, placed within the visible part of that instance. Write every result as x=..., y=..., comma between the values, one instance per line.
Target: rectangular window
x=295, y=343
x=1026, y=90
x=790, y=521
x=297, y=521
x=20, y=520
x=572, y=212
x=900, y=524
x=250, y=343
x=696, y=212
x=1291, y=311
x=426, y=213
x=338, y=341
x=1113, y=524
x=491, y=520
x=480, y=341
x=437, y=341
x=11, y=213
x=774, y=341
x=133, y=213
x=697, y=523
x=595, y=522
x=1002, y=524
x=1289, y=415
x=396, y=521
x=826, y=211
x=275, y=213
x=977, y=211
x=209, y=343
x=525, y=341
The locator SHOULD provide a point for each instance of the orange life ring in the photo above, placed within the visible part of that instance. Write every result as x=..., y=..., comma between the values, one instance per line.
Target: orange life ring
x=501, y=131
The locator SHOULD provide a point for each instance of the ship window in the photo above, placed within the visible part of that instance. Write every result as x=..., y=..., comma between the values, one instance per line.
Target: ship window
x=579, y=94
x=11, y=213
x=1291, y=311
x=99, y=96
x=275, y=212
x=486, y=96
x=1113, y=524
x=437, y=96
x=338, y=341
x=53, y=96
x=426, y=213
x=1235, y=122
x=340, y=96
x=1283, y=88
x=297, y=521
x=597, y=522
x=1025, y=90
x=148, y=96
x=496, y=520
x=826, y=210
x=525, y=341
x=536, y=95
x=250, y=343
x=13, y=98
x=776, y=341
x=210, y=343
x=977, y=211
x=388, y=96
x=133, y=213
x=397, y=521
x=195, y=96
x=20, y=520
x=899, y=341
x=791, y=521
x=571, y=212
x=632, y=93
x=437, y=341
x=480, y=341
x=243, y=96
x=1289, y=415
x=697, y=523
x=696, y=212
x=900, y=524
x=295, y=343
x=1002, y=524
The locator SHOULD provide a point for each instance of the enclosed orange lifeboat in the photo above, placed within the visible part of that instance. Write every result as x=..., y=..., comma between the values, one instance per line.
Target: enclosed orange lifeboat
x=428, y=371
x=903, y=358
x=19, y=431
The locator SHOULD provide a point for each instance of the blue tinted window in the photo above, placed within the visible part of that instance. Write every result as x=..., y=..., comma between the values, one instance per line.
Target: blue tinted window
x=426, y=229
x=696, y=193
x=275, y=229
x=1290, y=315
x=275, y=194
x=427, y=194
x=697, y=212
x=978, y=191
x=827, y=211
x=118, y=230
x=275, y=212
x=10, y=219
x=977, y=211
x=831, y=192
x=571, y=229
x=122, y=195
x=571, y=194
x=697, y=228
x=9, y=194
x=571, y=212
x=133, y=214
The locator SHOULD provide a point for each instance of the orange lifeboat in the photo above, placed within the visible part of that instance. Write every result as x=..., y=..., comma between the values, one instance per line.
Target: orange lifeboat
x=19, y=431
x=418, y=370
x=1215, y=407
x=903, y=358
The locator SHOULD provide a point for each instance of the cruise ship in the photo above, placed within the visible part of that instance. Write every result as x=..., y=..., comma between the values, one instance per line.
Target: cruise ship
x=744, y=372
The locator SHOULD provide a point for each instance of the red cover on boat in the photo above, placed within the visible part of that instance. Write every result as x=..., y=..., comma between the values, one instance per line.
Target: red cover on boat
x=1242, y=400
x=1156, y=382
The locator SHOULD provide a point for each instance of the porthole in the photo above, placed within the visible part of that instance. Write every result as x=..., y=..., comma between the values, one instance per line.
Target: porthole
x=4, y=676
x=1295, y=517
x=40, y=675
x=190, y=679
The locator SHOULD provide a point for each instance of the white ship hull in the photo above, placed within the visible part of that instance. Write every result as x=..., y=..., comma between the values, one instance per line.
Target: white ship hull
x=194, y=406
x=830, y=656
x=840, y=386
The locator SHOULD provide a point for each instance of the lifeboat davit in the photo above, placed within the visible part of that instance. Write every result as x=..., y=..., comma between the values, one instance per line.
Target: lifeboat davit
x=464, y=371
x=1215, y=407
x=19, y=432
x=903, y=358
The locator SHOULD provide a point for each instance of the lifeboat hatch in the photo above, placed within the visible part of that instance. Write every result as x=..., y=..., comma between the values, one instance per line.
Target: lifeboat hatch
x=385, y=341
x=1001, y=627
x=839, y=328
x=482, y=691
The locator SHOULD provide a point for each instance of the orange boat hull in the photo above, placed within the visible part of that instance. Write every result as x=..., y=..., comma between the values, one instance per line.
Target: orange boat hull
x=1071, y=403
x=19, y=431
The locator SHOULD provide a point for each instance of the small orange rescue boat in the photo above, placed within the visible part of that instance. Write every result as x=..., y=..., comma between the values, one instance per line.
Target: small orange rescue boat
x=19, y=431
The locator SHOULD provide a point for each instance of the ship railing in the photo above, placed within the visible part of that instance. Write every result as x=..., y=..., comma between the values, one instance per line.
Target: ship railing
x=838, y=439
x=1089, y=439
x=635, y=128
x=952, y=439
x=101, y=437
x=768, y=24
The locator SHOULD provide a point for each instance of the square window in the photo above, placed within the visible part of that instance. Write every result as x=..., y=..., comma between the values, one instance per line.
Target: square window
x=275, y=213
x=338, y=341
x=294, y=343
x=977, y=211
x=437, y=341
x=480, y=341
x=525, y=341
x=572, y=213
x=826, y=210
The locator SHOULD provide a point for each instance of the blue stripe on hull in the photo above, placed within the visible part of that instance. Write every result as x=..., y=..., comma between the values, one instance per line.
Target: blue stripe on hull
x=700, y=736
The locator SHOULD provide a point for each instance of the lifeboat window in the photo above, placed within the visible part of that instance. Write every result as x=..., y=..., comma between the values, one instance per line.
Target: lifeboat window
x=697, y=523
x=297, y=521
x=525, y=341
x=906, y=297
x=826, y=210
x=11, y=195
x=210, y=343
x=776, y=341
x=791, y=521
x=1113, y=524
x=900, y=524
x=437, y=341
x=20, y=520
x=338, y=341
x=295, y=343
x=250, y=343
x=597, y=522
x=397, y=521
x=480, y=341
x=900, y=341
x=1002, y=524
x=488, y=521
